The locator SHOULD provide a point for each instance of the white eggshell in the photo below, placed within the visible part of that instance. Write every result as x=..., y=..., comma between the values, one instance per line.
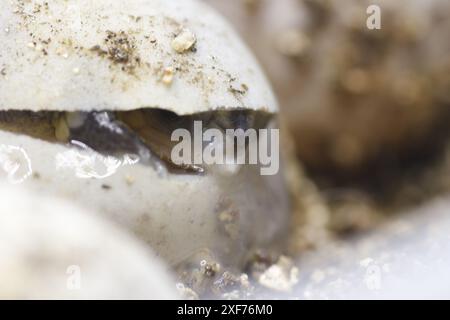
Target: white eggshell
x=50, y=249
x=178, y=215
x=57, y=55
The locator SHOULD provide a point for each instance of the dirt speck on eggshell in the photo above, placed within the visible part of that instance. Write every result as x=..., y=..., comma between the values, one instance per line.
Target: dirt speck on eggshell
x=184, y=41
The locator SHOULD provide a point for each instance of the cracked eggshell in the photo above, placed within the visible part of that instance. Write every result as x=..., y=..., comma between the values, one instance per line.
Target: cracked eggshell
x=86, y=55
x=50, y=249
x=179, y=216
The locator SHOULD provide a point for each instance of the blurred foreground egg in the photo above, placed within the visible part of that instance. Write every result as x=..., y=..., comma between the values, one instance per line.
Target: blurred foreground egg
x=50, y=249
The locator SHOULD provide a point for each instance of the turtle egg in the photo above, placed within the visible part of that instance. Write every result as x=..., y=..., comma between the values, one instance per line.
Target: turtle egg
x=51, y=249
x=87, y=106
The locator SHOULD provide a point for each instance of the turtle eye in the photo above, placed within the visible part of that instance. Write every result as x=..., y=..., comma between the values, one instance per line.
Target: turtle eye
x=239, y=119
x=233, y=120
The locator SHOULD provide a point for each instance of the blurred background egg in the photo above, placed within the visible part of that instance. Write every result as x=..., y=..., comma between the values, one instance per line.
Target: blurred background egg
x=364, y=105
